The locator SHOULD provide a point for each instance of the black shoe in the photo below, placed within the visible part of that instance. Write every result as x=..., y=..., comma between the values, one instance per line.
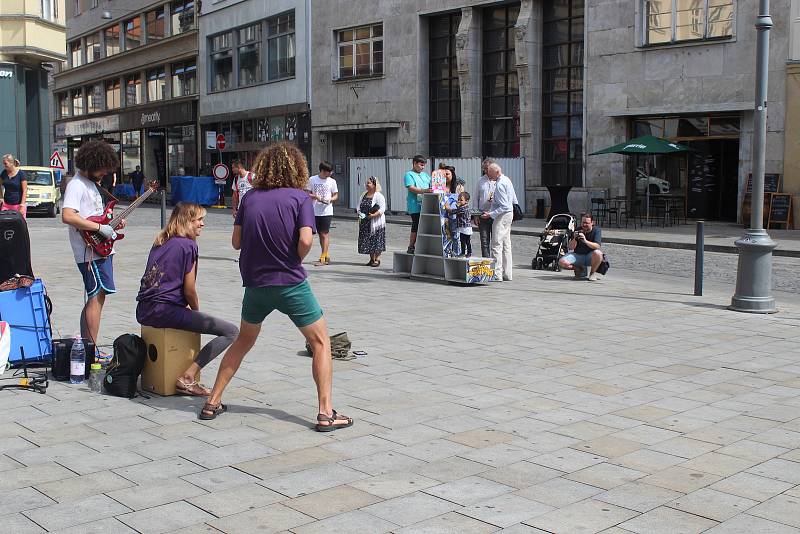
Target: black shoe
x=410, y=250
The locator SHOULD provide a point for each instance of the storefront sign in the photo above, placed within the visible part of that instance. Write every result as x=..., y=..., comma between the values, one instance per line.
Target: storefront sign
x=6, y=73
x=88, y=126
x=183, y=113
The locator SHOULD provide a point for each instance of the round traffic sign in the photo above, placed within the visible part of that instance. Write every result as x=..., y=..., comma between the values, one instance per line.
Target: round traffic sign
x=220, y=172
x=220, y=142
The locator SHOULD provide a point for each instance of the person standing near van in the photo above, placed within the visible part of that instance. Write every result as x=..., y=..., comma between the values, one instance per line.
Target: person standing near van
x=14, y=184
x=324, y=192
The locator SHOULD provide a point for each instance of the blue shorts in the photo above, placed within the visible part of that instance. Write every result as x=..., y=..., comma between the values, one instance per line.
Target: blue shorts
x=583, y=260
x=98, y=275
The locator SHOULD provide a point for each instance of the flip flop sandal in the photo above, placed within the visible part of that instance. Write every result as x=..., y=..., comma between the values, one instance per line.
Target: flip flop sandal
x=213, y=409
x=377, y=264
x=330, y=426
x=193, y=389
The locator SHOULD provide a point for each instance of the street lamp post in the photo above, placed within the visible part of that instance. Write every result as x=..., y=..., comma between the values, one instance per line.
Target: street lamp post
x=754, y=273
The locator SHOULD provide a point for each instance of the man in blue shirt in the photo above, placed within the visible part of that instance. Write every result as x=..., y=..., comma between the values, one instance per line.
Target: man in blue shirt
x=417, y=182
x=501, y=211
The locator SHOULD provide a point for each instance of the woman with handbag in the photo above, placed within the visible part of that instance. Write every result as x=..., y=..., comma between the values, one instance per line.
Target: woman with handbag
x=372, y=222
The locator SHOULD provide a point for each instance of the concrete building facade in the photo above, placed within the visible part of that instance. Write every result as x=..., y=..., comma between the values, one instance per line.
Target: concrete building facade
x=254, y=76
x=444, y=78
x=688, y=76
x=131, y=79
x=31, y=47
x=791, y=163
x=552, y=82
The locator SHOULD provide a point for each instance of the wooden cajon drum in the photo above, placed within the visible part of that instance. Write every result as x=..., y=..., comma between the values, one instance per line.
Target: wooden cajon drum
x=169, y=353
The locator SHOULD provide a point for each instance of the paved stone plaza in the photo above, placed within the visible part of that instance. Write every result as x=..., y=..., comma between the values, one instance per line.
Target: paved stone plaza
x=541, y=405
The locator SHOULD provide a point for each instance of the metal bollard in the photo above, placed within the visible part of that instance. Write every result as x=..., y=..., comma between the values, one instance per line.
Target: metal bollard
x=163, y=208
x=699, y=245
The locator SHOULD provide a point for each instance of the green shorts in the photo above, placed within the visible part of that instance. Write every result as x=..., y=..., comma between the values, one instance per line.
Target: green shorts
x=297, y=301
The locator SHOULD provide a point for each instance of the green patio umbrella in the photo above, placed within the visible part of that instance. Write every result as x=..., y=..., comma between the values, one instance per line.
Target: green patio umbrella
x=647, y=144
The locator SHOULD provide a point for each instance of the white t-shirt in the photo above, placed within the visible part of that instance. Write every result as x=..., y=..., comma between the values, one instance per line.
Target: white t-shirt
x=324, y=188
x=82, y=196
x=243, y=185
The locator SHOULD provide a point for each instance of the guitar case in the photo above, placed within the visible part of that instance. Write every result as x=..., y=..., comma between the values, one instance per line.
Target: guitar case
x=15, y=246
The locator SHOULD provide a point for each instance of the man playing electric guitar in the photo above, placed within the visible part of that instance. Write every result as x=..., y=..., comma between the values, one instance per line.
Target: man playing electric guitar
x=82, y=200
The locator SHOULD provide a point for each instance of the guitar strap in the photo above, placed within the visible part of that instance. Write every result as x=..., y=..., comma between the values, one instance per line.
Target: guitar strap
x=104, y=192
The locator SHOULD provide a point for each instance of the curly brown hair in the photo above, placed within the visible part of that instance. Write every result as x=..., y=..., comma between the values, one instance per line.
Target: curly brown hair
x=280, y=165
x=96, y=156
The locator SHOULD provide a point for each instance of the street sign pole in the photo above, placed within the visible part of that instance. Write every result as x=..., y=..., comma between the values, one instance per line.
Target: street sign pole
x=754, y=273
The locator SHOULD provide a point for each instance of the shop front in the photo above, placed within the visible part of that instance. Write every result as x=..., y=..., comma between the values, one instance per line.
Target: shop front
x=706, y=180
x=246, y=136
x=161, y=140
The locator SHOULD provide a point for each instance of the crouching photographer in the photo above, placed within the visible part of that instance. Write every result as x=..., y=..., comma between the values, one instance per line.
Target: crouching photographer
x=585, y=246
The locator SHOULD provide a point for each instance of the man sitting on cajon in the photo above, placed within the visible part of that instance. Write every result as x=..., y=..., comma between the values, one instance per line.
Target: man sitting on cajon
x=168, y=296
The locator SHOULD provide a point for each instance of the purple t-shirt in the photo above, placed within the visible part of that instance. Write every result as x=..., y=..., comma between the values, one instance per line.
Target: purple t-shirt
x=271, y=220
x=166, y=267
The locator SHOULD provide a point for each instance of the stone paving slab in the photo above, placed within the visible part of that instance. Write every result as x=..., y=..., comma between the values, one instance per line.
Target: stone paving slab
x=560, y=406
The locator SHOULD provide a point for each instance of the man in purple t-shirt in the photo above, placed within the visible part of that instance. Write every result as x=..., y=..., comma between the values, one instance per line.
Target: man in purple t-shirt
x=274, y=231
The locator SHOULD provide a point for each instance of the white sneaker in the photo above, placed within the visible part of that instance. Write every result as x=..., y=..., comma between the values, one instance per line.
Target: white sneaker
x=593, y=277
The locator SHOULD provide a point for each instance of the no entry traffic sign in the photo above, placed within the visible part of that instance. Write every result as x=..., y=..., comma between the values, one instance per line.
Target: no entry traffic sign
x=220, y=142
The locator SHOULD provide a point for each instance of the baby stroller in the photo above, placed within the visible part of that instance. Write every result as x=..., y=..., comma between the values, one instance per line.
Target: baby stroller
x=553, y=242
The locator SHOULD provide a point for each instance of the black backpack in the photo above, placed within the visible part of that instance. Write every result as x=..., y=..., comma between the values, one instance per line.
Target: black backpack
x=126, y=365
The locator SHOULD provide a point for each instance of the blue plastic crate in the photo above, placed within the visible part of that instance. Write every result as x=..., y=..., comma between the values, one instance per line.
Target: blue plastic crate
x=25, y=312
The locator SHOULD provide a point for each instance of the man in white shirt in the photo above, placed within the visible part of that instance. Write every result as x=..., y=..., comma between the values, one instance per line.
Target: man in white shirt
x=82, y=200
x=502, y=214
x=482, y=201
x=242, y=183
x=323, y=190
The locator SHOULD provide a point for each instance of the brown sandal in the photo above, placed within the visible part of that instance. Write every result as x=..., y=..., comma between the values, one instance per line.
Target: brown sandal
x=330, y=420
x=211, y=411
x=193, y=388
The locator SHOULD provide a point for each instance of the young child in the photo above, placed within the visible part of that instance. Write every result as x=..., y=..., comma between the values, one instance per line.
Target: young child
x=463, y=215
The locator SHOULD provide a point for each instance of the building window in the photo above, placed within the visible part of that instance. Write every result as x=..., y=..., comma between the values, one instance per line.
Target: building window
x=92, y=47
x=280, y=41
x=360, y=51
x=77, y=102
x=76, y=7
x=182, y=16
x=500, y=86
x=113, y=95
x=63, y=105
x=156, y=84
x=94, y=98
x=94, y=3
x=562, y=93
x=445, y=100
x=249, y=52
x=154, y=22
x=49, y=10
x=671, y=21
x=112, y=40
x=133, y=89
x=133, y=33
x=221, y=62
x=184, y=79
x=75, y=54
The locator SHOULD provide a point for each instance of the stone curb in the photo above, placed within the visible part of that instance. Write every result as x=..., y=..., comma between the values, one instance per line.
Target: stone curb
x=726, y=249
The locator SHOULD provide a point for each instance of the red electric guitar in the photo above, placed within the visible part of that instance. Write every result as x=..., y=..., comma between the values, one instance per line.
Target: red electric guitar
x=100, y=244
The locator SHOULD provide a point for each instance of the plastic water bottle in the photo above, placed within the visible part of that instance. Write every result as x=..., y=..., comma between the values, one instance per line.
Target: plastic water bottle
x=96, y=376
x=77, y=362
